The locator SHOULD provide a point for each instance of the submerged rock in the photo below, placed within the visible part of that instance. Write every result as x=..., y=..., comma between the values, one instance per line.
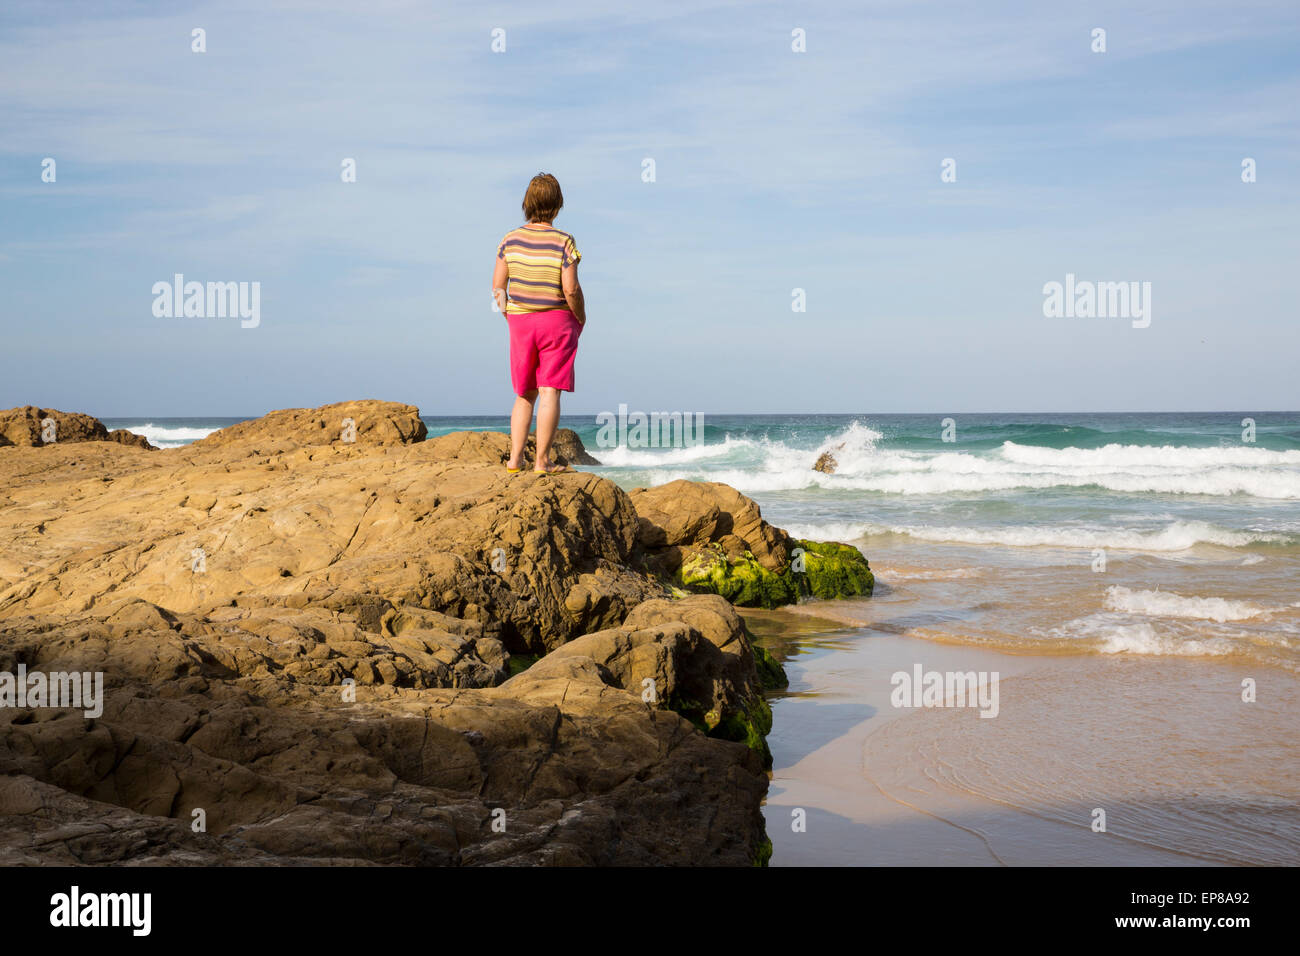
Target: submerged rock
x=826, y=462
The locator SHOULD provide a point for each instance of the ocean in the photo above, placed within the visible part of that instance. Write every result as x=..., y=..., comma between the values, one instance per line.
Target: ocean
x=1130, y=580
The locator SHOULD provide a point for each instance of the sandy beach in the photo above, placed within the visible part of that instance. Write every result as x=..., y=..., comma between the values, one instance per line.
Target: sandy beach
x=1187, y=773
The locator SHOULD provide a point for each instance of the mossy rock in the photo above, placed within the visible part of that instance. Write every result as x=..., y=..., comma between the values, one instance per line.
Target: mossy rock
x=763, y=852
x=742, y=580
x=749, y=727
x=771, y=675
x=829, y=570
x=835, y=570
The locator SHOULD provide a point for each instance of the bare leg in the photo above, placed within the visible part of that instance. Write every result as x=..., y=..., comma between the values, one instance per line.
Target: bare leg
x=548, y=417
x=521, y=418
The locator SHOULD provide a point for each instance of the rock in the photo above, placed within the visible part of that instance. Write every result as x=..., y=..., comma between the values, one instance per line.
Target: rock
x=721, y=688
x=692, y=656
x=826, y=461
x=25, y=427
x=691, y=513
x=233, y=713
x=832, y=570
x=310, y=640
x=124, y=437
x=705, y=536
x=545, y=557
x=566, y=449
x=373, y=423
x=742, y=580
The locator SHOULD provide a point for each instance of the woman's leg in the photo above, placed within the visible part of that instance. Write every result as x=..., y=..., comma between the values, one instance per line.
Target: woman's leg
x=548, y=417
x=521, y=419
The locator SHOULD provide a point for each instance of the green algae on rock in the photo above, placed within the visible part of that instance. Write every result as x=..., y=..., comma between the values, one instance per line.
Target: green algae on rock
x=708, y=537
x=818, y=569
x=832, y=570
x=741, y=580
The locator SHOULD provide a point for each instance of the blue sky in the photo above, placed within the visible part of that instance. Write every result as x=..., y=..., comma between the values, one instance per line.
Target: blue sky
x=775, y=170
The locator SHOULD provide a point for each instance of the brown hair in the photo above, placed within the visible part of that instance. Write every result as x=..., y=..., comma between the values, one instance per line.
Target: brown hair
x=543, y=201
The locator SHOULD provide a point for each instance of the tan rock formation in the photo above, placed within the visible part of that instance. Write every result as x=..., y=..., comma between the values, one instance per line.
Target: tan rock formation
x=681, y=516
x=308, y=640
x=25, y=427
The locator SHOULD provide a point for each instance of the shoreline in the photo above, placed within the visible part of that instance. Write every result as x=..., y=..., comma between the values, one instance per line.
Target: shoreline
x=929, y=787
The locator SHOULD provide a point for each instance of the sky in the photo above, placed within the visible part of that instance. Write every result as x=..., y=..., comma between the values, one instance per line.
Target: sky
x=775, y=170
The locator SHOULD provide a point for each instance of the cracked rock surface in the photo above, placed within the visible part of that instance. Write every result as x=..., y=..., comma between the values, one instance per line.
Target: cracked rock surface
x=305, y=632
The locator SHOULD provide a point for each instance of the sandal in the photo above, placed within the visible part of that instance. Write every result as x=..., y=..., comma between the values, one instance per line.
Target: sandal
x=553, y=470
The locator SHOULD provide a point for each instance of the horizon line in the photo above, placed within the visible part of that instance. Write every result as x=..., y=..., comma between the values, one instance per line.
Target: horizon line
x=506, y=415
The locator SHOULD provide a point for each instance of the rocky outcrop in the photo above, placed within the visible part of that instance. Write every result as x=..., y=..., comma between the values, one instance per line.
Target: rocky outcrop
x=234, y=721
x=364, y=423
x=124, y=437
x=687, y=514
x=546, y=558
x=706, y=536
x=566, y=448
x=29, y=426
x=308, y=641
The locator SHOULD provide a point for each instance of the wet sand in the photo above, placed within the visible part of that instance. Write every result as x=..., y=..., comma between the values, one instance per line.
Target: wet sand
x=1186, y=772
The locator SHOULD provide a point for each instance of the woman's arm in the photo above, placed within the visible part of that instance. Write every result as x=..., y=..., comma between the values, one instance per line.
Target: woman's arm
x=500, y=276
x=573, y=292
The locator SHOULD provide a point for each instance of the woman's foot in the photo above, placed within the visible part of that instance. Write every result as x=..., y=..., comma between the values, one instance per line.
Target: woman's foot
x=548, y=468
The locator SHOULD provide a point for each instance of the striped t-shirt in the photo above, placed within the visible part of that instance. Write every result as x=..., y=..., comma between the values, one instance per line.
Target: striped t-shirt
x=535, y=257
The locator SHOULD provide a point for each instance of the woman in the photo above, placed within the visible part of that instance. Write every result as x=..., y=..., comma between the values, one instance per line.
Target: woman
x=536, y=285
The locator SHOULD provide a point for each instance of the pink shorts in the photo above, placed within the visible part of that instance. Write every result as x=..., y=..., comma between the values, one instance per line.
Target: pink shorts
x=543, y=346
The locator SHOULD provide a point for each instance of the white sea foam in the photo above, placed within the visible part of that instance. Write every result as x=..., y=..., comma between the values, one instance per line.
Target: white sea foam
x=1163, y=457
x=926, y=574
x=166, y=437
x=1168, y=604
x=1142, y=638
x=862, y=465
x=1176, y=536
x=1109, y=634
x=845, y=531
x=624, y=457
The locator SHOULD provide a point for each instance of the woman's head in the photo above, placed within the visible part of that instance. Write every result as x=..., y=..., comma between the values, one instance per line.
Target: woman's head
x=543, y=201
